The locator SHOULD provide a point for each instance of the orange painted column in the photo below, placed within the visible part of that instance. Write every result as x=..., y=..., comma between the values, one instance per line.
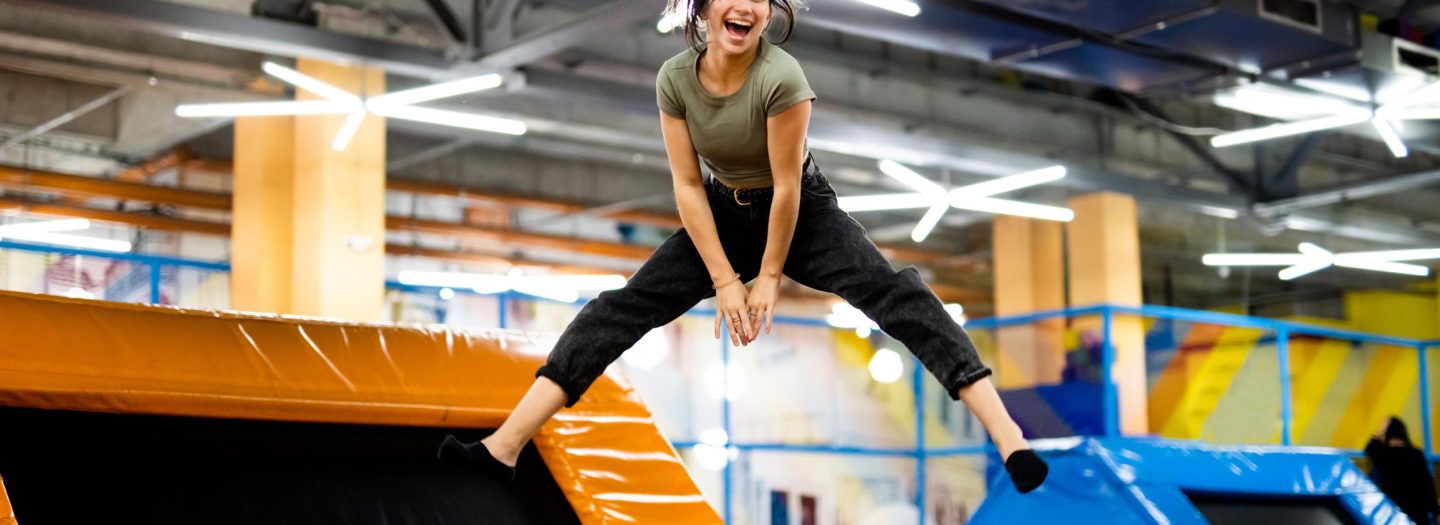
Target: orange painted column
x=1029, y=276
x=263, y=210
x=309, y=222
x=1104, y=249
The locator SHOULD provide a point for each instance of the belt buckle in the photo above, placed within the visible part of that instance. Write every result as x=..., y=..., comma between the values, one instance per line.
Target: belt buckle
x=735, y=193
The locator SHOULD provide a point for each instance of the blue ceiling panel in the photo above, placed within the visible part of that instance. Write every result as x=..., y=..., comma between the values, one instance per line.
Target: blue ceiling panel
x=1106, y=16
x=1093, y=63
x=942, y=28
x=1249, y=42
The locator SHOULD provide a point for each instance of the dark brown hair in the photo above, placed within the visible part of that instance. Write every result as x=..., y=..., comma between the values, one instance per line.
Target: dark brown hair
x=694, y=25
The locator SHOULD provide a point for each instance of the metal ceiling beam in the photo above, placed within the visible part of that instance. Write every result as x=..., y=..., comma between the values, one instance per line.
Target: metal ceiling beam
x=861, y=134
x=253, y=34
x=1350, y=192
x=137, y=219
x=1410, y=7
x=65, y=118
x=92, y=187
x=447, y=20
x=545, y=42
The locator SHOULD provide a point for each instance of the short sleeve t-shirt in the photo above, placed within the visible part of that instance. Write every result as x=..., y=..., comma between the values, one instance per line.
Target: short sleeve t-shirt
x=729, y=132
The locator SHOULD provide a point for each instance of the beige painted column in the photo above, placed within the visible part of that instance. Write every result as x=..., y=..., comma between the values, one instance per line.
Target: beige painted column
x=262, y=210
x=1029, y=276
x=1104, y=249
x=309, y=221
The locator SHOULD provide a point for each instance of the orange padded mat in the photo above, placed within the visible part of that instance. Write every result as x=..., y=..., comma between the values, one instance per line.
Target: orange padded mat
x=66, y=354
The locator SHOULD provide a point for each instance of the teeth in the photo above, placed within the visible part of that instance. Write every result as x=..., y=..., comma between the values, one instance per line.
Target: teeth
x=740, y=23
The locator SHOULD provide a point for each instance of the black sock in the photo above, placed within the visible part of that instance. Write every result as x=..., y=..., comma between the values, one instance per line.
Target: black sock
x=474, y=456
x=1026, y=470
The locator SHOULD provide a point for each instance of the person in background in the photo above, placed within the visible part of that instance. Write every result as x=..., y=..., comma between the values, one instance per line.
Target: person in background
x=1402, y=472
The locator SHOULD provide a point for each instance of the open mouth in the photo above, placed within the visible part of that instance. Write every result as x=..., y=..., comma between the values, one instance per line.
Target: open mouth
x=737, y=29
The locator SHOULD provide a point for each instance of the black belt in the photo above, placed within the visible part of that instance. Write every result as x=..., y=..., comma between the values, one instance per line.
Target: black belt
x=748, y=196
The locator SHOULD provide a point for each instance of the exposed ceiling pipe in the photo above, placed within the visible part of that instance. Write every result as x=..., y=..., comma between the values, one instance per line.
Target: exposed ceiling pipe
x=90, y=187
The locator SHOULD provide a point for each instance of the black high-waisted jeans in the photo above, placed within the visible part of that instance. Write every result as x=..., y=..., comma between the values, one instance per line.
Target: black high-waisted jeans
x=829, y=252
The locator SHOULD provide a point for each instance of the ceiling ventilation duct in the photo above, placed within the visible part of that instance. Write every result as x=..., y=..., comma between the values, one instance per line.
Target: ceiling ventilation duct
x=1254, y=36
x=1385, y=68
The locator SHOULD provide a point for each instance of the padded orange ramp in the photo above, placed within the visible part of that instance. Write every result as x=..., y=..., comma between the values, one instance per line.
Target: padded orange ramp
x=69, y=354
x=7, y=514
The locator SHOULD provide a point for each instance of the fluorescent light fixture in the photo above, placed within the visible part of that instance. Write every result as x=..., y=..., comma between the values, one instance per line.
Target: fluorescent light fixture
x=450, y=118
x=1282, y=103
x=897, y=201
x=908, y=177
x=1275, y=131
x=261, y=109
x=553, y=293
x=1301, y=270
x=439, y=91
x=44, y=226
x=347, y=130
x=1411, y=114
x=481, y=283
x=976, y=197
x=1011, y=183
x=76, y=241
x=399, y=104
x=1252, y=259
x=1216, y=211
x=929, y=221
x=1017, y=208
x=1398, y=255
x=1312, y=258
x=903, y=7
x=1413, y=98
x=47, y=232
x=1391, y=138
x=1382, y=266
x=1270, y=101
x=581, y=282
x=311, y=84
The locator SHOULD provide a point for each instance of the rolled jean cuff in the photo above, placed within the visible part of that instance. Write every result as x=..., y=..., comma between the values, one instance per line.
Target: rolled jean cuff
x=573, y=390
x=967, y=379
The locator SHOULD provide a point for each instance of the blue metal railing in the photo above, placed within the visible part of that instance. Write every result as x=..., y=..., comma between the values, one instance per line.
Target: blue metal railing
x=1283, y=331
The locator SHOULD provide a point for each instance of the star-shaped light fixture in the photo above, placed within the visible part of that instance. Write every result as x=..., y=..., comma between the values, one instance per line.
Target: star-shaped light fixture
x=1312, y=258
x=336, y=101
x=977, y=197
x=1384, y=118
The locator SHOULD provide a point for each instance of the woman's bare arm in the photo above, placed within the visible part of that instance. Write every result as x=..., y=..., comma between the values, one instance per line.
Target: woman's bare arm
x=786, y=142
x=695, y=215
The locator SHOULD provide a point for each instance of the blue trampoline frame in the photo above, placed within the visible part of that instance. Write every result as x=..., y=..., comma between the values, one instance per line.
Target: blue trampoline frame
x=1283, y=330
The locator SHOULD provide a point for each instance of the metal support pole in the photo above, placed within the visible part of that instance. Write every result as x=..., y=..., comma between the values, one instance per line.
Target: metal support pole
x=154, y=283
x=725, y=420
x=917, y=386
x=1423, y=349
x=1282, y=354
x=504, y=299
x=1107, y=363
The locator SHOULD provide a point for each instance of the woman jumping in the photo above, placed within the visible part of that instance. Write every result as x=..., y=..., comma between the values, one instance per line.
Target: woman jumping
x=742, y=105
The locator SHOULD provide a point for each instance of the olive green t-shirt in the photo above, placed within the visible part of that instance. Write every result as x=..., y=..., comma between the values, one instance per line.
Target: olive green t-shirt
x=729, y=132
